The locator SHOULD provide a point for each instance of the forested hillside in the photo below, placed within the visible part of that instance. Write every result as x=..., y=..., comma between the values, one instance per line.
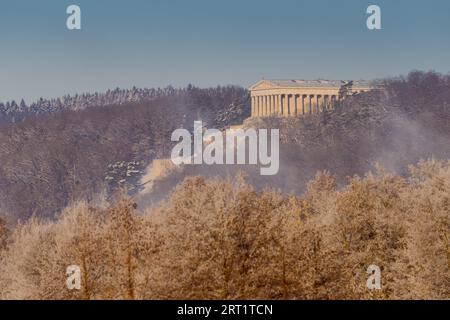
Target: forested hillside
x=47, y=161
x=11, y=111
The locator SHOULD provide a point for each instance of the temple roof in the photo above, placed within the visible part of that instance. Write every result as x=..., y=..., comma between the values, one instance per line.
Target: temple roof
x=265, y=83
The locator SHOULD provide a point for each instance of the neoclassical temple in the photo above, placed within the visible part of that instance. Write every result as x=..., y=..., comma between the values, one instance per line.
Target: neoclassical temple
x=299, y=97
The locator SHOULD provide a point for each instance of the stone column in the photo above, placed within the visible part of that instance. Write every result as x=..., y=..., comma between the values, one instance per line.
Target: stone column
x=293, y=110
x=266, y=105
x=278, y=105
x=253, y=107
x=259, y=106
x=275, y=101
x=270, y=106
x=286, y=105
x=318, y=103
x=282, y=102
x=301, y=105
x=311, y=103
x=274, y=104
x=263, y=109
x=304, y=104
x=262, y=106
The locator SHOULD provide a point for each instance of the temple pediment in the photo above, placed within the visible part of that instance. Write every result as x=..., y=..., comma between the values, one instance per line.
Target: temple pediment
x=262, y=84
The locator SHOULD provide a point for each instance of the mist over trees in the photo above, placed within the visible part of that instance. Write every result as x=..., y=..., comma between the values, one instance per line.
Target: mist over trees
x=408, y=120
x=50, y=160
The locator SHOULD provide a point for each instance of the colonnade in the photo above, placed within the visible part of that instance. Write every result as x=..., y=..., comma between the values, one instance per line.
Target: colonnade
x=291, y=104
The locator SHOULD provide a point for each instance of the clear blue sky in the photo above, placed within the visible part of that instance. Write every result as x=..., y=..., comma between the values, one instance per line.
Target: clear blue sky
x=151, y=43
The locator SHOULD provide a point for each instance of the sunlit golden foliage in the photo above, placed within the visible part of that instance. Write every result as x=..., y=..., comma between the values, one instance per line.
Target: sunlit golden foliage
x=220, y=239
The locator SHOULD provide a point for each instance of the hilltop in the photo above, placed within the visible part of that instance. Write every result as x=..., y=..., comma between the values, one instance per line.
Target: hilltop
x=393, y=128
x=51, y=160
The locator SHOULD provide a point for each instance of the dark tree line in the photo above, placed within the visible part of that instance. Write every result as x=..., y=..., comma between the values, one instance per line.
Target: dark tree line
x=12, y=112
